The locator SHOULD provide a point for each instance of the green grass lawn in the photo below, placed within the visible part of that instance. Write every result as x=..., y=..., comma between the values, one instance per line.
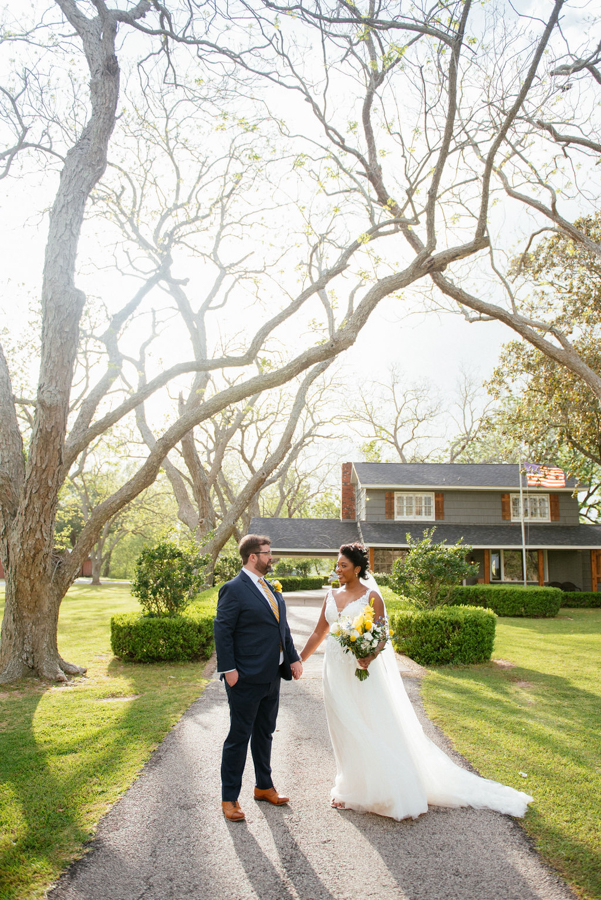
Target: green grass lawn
x=68, y=752
x=393, y=601
x=542, y=716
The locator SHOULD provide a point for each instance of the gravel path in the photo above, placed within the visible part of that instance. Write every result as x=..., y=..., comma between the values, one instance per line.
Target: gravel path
x=167, y=840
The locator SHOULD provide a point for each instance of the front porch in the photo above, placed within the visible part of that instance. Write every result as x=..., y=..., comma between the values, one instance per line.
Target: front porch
x=570, y=569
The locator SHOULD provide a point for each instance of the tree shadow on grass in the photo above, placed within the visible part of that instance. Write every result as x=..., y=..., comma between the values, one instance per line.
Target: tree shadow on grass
x=547, y=719
x=564, y=720
x=62, y=768
x=154, y=842
x=45, y=824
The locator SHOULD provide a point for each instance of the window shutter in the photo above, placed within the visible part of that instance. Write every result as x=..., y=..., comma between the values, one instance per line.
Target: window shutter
x=554, y=507
x=438, y=505
x=389, y=505
x=505, y=507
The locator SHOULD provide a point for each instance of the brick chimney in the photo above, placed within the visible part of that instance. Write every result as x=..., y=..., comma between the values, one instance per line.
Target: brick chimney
x=348, y=509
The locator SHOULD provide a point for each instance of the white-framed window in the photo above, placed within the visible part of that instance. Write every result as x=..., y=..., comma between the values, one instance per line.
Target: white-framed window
x=414, y=506
x=535, y=507
x=507, y=565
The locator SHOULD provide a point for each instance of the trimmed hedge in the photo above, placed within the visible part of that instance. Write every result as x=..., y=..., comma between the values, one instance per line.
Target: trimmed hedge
x=513, y=600
x=581, y=599
x=177, y=638
x=298, y=582
x=383, y=579
x=447, y=635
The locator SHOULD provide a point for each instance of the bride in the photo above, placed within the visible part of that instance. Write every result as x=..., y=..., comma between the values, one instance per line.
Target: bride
x=385, y=764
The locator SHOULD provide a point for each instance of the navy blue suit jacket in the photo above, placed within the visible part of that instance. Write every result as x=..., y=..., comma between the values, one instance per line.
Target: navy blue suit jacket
x=248, y=635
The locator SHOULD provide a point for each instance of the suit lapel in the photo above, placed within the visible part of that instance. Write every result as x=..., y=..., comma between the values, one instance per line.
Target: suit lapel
x=258, y=593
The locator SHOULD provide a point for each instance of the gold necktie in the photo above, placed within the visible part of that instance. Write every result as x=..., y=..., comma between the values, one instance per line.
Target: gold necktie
x=272, y=601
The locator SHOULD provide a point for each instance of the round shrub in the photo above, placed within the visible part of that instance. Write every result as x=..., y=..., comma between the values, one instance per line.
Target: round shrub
x=581, y=599
x=511, y=600
x=448, y=635
x=178, y=638
x=167, y=577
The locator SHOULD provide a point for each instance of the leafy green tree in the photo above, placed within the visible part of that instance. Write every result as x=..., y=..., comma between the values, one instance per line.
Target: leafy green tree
x=227, y=566
x=546, y=409
x=168, y=576
x=429, y=570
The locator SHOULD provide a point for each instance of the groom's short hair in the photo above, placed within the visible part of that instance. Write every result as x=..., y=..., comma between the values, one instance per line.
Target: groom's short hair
x=252, y=543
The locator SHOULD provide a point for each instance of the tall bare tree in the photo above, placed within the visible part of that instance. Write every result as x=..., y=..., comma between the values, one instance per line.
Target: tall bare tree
x=397, y=416
x=356, y=201
x=178, y=200
x=545, y=176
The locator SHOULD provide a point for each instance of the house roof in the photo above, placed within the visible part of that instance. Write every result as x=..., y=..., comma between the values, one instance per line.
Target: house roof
x=393, y=534
x=491, y=476
x=306, y=534
x=327, y=535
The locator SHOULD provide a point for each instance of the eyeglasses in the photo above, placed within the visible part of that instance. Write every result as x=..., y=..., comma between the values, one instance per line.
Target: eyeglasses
x=259, y=552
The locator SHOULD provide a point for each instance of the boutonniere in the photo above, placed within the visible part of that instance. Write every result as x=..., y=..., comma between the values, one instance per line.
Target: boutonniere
x=278, y=586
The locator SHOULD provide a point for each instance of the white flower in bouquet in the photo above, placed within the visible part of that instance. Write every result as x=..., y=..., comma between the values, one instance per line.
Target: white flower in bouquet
x=360, y=636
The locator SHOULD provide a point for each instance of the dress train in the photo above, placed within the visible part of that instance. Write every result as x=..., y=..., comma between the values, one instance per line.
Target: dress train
x=385, y=763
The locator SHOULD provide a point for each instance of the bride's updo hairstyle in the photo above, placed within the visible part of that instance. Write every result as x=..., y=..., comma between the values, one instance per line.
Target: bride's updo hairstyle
x=358, y=555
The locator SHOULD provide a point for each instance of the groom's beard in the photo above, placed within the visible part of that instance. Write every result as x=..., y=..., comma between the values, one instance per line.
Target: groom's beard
x=263, y=567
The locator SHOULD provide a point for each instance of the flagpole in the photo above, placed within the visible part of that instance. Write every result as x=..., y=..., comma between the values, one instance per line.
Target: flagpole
x=522, y=519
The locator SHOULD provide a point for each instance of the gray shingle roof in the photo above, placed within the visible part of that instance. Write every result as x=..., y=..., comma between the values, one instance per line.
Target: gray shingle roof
x=322, y=535
x=441, y=475
x=306, y=534
x=391, y=534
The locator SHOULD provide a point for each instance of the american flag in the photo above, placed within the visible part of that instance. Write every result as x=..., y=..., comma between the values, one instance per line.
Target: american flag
x=544, y=476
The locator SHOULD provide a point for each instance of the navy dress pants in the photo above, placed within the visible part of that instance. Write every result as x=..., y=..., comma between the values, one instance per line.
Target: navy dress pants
x=253, y=714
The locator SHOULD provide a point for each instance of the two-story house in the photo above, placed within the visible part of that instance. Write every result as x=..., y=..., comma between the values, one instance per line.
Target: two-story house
x=383, y=502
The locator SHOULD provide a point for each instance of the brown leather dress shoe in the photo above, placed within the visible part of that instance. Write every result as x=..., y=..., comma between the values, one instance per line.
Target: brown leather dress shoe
x=231, y=810
x=271, y=795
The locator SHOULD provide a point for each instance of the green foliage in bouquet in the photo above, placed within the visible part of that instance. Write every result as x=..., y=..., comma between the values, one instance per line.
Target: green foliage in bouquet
x=459, y=635
x=429, y=571
x=168, y=576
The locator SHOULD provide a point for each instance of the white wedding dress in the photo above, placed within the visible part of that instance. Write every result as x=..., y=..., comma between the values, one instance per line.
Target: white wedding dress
x=385, y=764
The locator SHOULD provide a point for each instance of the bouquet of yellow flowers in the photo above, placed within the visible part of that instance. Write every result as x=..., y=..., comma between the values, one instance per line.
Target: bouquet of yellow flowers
x=360, y=636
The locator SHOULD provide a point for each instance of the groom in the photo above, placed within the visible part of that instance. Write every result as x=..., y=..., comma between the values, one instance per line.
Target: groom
x=254, y=650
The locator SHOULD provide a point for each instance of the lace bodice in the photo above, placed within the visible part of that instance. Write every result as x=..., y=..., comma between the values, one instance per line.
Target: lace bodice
x=352, y=609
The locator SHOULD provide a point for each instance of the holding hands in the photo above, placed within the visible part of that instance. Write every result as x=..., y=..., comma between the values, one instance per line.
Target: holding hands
x=297, y=669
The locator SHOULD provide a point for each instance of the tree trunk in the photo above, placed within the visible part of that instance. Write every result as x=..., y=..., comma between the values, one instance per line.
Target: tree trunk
x=96, y=565
x=35, y=578
x=106, y=564
x=29, y=628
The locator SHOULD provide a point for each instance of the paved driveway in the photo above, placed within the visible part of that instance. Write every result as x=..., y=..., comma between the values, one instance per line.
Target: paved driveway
x=167, y=840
